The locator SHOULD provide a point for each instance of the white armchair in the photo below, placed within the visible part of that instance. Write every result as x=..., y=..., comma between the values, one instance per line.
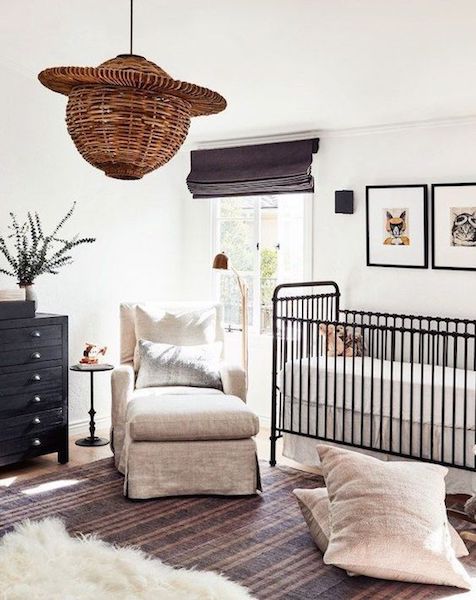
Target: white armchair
x=172, y=453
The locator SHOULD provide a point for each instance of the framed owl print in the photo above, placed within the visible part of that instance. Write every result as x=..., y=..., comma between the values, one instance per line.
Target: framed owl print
x=454, y=226
x=397, y=226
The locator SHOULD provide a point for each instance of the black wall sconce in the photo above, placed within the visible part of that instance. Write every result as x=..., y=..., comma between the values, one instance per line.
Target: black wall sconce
x=344, y=202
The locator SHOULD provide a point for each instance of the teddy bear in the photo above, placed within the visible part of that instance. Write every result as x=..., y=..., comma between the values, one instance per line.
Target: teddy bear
x=341, y=341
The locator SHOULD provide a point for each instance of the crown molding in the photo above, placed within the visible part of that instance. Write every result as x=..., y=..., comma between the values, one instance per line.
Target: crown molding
x=469, y=120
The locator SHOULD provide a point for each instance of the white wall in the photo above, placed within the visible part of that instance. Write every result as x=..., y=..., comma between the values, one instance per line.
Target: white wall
x=352, y=160
x=137, y=225
x=413, y=155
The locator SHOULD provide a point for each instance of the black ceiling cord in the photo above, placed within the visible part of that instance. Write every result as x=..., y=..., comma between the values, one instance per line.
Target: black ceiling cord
x=132, y=25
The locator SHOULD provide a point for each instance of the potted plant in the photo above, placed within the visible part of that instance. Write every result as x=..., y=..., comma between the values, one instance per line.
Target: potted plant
x=35, y=253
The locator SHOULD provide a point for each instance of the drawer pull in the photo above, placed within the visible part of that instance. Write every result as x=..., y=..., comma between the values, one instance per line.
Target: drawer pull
x=36, y=356
x=36, y=421
x=36, y=377
x=36, y=442
x=36, y=399
x=35, y=333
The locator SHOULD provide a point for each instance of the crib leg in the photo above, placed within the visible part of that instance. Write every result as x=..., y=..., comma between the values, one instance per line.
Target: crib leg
x=454, y=503
x=272, y=460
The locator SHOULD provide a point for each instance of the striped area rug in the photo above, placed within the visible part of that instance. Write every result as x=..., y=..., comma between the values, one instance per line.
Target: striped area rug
x=260, y=542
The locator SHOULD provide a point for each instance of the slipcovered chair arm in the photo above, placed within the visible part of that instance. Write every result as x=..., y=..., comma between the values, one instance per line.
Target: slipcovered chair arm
x=122, y=384
x=233, y=378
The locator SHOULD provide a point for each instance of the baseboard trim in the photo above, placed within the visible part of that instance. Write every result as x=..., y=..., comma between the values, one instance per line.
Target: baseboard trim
x=264, y=421
x=82, y=425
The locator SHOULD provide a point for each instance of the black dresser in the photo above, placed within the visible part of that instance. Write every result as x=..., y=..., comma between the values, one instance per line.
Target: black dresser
x=33, y=388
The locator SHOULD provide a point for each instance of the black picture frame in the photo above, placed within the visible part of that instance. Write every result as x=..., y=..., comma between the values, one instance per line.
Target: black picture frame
x=434, y=186
x=424, y=188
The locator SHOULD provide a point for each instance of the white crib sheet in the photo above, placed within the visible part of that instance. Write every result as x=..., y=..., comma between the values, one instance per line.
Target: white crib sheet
x=409, y=398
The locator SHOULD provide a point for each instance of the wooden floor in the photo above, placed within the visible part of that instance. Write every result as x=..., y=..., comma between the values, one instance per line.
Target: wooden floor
x=79, y=455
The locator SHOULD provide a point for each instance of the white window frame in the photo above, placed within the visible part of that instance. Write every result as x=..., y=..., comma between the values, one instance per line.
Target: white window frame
x=308, y=252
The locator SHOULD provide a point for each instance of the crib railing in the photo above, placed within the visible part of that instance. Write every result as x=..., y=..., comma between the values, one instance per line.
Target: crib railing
x=405, y=385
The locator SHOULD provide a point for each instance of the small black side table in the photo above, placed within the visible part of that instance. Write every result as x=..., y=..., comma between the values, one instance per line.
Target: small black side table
x=92, y=440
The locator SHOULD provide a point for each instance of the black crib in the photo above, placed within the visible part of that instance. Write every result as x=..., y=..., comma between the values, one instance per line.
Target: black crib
x=405, y=385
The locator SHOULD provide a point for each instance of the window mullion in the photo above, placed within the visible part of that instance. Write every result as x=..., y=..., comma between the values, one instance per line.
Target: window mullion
x=257, y=268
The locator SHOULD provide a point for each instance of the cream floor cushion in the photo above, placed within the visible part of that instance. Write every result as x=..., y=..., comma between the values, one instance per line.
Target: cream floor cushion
x=388, y=519
x=315, y=507
x=205, y=417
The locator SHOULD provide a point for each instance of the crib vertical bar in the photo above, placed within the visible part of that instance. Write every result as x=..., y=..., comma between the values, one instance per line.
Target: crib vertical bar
x=326, y=380
x=420, y=357
x=282, y=325
x=344, y=380
x=362, y=387
x=402, y=348
x=465, y=405
x=352, y=416
x=382, y=355
x=412, y=350
x=453, y=421
x=292, y=364
x=318, y=362
x=392, y=358
x=474, y=399
x=422, y=377
x=428, y=343
x=309, y=353
x=272, y=458
x=334, y=420
x=447, y=345
x=432, y=417
x=443, y=399
x=438, y=323
x=372, y=339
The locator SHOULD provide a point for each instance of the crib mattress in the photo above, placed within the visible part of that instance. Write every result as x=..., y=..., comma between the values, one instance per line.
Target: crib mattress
x=416, y=393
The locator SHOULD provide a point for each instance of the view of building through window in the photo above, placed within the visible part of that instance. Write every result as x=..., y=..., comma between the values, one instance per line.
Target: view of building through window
x=265, y=239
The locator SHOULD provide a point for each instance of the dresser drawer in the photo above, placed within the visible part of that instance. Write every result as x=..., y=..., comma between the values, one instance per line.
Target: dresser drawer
x=31, y=445
x=30, y=424
x=30, y=380
x=33, y=355
x=30, y=337
x=29, y=402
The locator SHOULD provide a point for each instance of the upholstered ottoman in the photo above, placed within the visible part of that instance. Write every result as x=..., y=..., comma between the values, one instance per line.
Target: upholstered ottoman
x=190, y=444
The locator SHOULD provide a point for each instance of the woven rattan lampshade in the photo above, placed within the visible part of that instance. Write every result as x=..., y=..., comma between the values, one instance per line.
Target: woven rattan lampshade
x=127, y=116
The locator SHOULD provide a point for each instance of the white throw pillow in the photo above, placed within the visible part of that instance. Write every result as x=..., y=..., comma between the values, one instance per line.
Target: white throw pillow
x=388, y=519
x=181, y=328
x=168, y=365
x=315, y=507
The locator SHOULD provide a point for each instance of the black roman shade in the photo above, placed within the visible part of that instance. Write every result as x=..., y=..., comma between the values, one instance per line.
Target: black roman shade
x=277, y=168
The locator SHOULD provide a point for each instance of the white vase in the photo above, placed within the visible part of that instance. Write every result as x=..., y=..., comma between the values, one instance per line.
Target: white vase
x=30, y=293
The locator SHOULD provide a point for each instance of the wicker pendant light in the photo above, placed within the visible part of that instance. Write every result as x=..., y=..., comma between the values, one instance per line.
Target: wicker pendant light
x=127, y=116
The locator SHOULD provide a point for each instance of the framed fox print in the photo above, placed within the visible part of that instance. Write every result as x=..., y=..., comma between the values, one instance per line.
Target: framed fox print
x=397, y=226
x=454, y=226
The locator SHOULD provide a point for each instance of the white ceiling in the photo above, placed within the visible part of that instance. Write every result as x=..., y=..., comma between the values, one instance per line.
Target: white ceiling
x=283, y=65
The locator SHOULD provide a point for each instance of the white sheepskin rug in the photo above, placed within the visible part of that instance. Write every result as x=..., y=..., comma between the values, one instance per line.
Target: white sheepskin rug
x=40, y=561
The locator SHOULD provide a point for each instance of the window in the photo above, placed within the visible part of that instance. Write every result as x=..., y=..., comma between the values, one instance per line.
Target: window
x=267, y=239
